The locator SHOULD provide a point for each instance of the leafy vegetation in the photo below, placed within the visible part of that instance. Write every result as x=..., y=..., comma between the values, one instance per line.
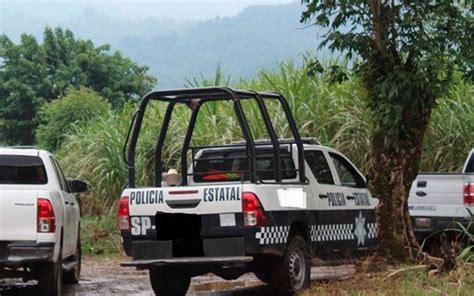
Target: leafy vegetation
x=58, y=117
x=410, y=280
x=99, y=235
x=407, y=53
x=334, y=113
x=32, y=74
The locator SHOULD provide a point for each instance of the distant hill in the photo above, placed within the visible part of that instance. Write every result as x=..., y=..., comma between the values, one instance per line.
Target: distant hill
x=257, y=37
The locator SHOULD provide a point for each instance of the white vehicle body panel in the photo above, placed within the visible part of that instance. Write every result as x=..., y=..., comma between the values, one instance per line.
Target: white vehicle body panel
x=267, y=194
x=440, y=194
x=18, y=208
x=339, y=215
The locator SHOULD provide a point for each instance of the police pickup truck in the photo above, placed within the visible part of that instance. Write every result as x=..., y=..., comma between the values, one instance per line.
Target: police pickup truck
x=39, y=220
x=266, y=207
x=439, y=201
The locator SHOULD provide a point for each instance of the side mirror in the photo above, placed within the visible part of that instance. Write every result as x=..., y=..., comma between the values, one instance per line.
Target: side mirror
x=77, y=186
x=368, y=178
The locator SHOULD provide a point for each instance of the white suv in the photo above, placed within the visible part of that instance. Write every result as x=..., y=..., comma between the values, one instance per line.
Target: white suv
x=39, y=220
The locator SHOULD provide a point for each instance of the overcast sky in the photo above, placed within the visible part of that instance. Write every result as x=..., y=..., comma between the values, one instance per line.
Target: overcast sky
x=178, y=9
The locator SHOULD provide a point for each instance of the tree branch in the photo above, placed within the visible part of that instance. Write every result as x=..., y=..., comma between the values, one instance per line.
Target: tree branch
x=379, y=36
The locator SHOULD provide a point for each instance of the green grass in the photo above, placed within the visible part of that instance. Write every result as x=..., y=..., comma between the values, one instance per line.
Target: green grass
x=100, y=235
x=411, y=282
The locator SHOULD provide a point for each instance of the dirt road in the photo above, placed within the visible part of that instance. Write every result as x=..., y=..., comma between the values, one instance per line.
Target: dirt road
x=106, y=277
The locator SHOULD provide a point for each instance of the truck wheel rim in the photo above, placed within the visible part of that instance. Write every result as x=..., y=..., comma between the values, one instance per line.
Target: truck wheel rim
x=297, y=269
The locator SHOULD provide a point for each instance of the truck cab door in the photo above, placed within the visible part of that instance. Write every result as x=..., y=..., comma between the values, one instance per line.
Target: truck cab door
x=359, y=204
x=71, y=213
x=329, y=200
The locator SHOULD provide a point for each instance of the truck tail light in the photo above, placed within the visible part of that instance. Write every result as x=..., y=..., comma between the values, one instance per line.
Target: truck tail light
x=46, y=221
x=123, y=214
x=469, y=194
x=254, y=215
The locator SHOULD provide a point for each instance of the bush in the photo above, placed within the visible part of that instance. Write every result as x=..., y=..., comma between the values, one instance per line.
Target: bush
x=100, y=235
x=59, y=116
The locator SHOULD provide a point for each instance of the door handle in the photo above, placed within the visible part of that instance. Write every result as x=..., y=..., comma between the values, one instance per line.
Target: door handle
x=421, y=184
x=421, y=193
x=350, y=197
x=323, y=196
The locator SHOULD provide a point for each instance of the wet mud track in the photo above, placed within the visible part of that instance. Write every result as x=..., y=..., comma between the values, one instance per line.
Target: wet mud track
x=106, y=277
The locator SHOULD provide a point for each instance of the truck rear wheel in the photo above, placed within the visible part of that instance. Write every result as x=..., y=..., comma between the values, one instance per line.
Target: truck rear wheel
x=169, y=281
x=50, y=277
x=292, y=272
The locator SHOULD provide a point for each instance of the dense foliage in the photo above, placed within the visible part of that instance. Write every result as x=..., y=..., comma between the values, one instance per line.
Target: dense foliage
x=32, y=74
x=334, y=113
x=58, y=117
x=407, y=53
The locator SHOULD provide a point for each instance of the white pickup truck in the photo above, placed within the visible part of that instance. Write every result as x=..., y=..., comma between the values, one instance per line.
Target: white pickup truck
x=265, y=206
x=39, y=220
x=438, y=200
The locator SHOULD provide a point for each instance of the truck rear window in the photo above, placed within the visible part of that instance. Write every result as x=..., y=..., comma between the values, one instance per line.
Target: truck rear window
x=233, y=165
x=22, y=169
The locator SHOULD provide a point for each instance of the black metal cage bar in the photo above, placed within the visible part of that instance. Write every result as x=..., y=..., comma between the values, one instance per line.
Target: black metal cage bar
x=204, y=95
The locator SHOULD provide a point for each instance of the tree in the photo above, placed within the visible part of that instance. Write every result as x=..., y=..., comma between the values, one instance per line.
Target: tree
x=32, y=74
x=406, y=53
x=58, y=117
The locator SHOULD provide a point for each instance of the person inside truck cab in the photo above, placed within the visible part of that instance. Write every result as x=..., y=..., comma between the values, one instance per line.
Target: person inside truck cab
x=217, y=175
x=172, y=178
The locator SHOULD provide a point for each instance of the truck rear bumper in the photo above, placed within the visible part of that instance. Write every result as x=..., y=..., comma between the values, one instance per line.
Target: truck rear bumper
x=206, y=254
x=14, y=253
x=222, y=261
x=438, y=224
x=218, y=247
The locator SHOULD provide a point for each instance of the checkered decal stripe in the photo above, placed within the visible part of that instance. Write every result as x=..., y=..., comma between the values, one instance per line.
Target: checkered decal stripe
x=273, y=235
x=331, y=232
x=319, y=233
x=372, y=230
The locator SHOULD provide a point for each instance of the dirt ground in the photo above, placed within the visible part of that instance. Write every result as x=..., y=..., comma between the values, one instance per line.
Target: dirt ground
x=105, y=277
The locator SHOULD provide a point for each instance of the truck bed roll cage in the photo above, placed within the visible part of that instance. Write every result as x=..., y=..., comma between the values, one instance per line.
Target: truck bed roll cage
x=204, y=95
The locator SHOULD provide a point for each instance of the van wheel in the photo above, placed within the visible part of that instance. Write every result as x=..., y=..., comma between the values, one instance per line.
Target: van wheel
x=50, y=277
x=169, y=281
x=72, y=276
x=292, y=272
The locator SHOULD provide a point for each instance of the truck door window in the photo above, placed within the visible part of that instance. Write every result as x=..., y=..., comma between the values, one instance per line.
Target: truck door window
x=59, y=173
x=319, y=166
x=347, y=173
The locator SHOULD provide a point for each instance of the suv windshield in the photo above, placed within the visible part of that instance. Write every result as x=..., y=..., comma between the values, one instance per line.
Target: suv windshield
x=233, y=165
x=21, y=169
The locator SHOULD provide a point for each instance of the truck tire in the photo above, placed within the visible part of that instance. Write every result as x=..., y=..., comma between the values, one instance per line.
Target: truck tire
x=50, y=277
x=72, y=276
x=292, y=272
x=169, y=281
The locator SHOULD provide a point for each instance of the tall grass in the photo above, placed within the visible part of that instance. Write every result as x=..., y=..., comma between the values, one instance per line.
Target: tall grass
x=334, y=113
